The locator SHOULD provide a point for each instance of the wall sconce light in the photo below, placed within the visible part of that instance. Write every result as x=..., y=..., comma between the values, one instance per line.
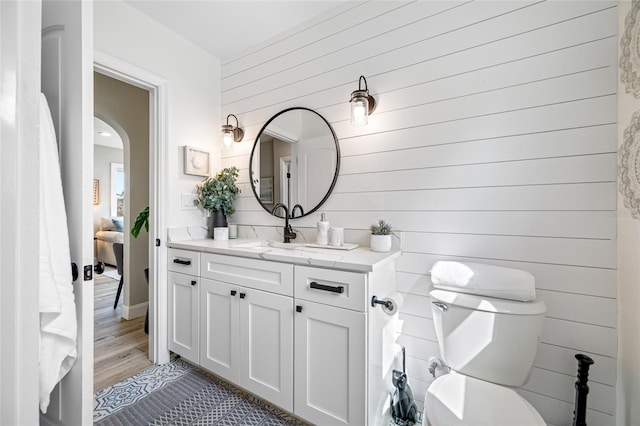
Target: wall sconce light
x=362, y=104
x=230, y=133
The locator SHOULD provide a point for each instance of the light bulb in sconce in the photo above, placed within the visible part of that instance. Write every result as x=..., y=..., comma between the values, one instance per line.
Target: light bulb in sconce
x=231, y=133
x=359, y=113
x=227, y=139
x=362, y=104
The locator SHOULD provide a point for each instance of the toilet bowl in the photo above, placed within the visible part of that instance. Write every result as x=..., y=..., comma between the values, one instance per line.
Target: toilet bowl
x=455, y=399
x=490, y=345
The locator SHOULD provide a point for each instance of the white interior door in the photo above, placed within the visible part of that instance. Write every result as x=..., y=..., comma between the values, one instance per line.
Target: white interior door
x=67, y=82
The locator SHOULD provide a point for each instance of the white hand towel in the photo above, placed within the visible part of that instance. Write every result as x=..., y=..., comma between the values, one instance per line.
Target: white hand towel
x=486, y=280
x=58, y=325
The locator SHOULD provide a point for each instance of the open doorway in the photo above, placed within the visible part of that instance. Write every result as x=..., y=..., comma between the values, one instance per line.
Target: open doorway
x=121, y=341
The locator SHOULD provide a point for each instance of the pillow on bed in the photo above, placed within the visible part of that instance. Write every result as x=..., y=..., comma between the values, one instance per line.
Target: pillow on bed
x=118, y=222
x=106, y=224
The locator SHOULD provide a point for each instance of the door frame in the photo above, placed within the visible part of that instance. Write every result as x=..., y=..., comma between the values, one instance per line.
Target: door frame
x=157, y=88
x=20, y=24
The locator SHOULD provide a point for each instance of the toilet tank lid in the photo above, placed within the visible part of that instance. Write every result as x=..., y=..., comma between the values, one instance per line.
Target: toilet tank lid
x=489, y=304
x=484, y=280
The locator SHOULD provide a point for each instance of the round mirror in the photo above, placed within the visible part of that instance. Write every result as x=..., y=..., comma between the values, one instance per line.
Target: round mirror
x=295, y=162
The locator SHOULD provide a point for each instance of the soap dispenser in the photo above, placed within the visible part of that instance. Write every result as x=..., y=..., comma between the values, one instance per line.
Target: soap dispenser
x=323, y=231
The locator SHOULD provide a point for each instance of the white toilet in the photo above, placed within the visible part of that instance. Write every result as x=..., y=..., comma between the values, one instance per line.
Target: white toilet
x=490, y=345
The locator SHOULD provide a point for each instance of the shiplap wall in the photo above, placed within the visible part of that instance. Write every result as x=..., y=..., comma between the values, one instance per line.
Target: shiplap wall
x=494, y=141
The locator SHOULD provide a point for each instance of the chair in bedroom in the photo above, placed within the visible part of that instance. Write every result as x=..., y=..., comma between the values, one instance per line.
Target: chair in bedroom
x=118, y=250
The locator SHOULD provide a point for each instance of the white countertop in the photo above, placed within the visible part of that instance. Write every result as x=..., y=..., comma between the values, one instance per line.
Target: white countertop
x=360, y=259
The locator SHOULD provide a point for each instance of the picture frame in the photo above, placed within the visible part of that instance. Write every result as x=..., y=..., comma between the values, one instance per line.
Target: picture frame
x=266, y=190
x=196, y=161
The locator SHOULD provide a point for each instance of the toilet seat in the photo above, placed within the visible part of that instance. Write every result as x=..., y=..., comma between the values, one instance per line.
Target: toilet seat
x=456, y=400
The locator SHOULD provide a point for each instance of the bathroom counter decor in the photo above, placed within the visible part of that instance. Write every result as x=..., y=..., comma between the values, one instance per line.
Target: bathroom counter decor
x=381, y=232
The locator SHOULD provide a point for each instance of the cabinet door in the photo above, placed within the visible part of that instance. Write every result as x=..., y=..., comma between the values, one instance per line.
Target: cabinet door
x=219, y=328
x=183, y=315
x=266, y=346
x=330, y=364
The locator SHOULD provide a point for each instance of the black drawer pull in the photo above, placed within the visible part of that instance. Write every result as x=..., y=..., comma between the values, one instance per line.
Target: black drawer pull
x=243, y=295
x=182, y=262
x=336, y=289
x=194, y=282
x=233, y=292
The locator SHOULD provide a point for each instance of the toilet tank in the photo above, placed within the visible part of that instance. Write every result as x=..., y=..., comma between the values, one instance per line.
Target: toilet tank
x=490, y=339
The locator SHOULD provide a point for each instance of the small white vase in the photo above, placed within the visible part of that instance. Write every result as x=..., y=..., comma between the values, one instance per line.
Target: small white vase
x=381, y=243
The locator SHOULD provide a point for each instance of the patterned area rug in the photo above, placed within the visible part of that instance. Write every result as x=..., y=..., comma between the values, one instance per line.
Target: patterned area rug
x=178, y=393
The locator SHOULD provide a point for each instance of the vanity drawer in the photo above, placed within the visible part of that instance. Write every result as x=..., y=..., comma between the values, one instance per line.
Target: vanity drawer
x=184, y=261
x=336, y=288
x=253, y=273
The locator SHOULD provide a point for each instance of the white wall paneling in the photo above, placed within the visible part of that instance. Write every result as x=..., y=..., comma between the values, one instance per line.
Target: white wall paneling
x=494, y=141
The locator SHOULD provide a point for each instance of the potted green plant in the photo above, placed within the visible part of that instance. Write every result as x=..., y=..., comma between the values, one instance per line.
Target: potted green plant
x=141, y=220
x=216, y=194
x=381, y=232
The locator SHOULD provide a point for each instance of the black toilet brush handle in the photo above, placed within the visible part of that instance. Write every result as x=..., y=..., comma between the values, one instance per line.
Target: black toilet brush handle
x=579, y=415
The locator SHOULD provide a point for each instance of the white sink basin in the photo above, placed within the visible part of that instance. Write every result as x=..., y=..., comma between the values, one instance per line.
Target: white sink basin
x=268, y=244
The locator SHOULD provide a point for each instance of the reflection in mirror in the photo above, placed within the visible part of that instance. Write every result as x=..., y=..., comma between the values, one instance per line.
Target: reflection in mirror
x=294, y=161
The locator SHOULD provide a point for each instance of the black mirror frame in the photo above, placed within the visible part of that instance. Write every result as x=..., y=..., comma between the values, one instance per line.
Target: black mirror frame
x=335, y=176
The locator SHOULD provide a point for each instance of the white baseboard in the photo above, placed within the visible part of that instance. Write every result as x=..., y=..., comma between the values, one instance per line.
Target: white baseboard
x=134, y=311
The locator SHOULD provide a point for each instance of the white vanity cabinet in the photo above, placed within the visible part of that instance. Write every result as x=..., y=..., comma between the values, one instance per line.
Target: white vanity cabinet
x=296, y=328
x=246, y=324
x=330, y=346
x=183, y=297
x=330, y=365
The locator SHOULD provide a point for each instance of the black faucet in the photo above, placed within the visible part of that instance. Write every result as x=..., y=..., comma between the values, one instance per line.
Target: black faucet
x=293, y=211
x=288, y=231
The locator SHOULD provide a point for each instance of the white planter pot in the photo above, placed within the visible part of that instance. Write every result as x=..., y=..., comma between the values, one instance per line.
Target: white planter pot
x=381, y=243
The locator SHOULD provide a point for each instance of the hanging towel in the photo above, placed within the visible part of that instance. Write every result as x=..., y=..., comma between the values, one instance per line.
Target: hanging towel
x=58, y=325
x=485, y=280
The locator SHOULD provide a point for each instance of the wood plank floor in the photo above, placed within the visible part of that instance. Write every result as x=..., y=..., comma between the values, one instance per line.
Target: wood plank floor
x=121, y=347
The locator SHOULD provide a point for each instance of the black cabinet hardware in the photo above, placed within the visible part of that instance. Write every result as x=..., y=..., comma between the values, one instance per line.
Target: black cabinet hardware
x=194, y=282
x=332, y=289
x=243, y=295
x=298, y=308
x=233, y=292
x=182, y=262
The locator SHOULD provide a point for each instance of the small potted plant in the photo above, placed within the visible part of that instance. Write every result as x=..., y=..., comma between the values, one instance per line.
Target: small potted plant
x=217, y=193
x=381, y=236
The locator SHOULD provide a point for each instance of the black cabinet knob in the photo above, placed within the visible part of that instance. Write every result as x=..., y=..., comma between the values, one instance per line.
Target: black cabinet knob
x=298, y=308
x=233, y=292
x=242, y=295
x=194, y=282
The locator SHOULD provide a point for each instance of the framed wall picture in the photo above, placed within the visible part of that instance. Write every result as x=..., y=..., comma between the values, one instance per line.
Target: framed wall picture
x=196, y=161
